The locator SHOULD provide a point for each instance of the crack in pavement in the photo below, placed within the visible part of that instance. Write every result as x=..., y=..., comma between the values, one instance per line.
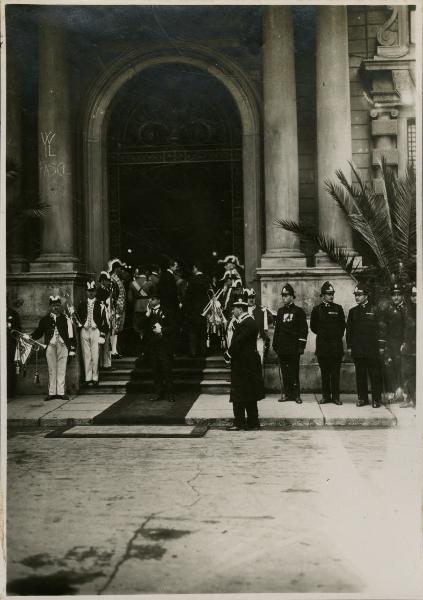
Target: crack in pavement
x=193, y=488
x=127, y=553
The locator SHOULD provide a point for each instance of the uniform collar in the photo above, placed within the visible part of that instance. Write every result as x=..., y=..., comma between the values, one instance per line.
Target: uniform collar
x=327, y=303
x=242, y=317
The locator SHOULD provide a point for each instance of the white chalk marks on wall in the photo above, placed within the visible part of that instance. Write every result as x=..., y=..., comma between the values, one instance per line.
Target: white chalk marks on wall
x=47, y=165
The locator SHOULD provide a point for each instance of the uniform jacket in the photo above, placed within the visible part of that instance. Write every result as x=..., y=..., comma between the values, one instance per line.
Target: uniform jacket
x=165, y=339
x=46, y=327
x=168, y=292
x=99, y=316
x=363, y=331
x=118, y=294
x=392, y=328
x=410, y=330
x=291, y=330
x=247, y=383
x=196, y=297
x=13, y=322
x=328, y=323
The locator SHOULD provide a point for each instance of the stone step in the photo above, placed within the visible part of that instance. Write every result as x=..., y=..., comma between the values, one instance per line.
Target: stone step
x=178, y=372
x=216, y=386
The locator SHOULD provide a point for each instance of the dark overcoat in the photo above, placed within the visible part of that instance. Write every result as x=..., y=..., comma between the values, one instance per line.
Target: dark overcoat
x=247, y=383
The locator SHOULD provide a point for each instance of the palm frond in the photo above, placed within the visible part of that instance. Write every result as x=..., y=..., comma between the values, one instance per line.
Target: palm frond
x=333, y=248
x=404, y=214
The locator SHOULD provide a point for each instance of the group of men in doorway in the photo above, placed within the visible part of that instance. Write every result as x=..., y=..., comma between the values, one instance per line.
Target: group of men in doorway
x=220, y=314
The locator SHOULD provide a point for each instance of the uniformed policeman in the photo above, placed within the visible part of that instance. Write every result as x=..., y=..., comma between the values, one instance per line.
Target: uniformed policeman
x=409, y=351
x=328, y=323
x=261, y=316
x=362, y=340
x=393, y=320
x=289, y=341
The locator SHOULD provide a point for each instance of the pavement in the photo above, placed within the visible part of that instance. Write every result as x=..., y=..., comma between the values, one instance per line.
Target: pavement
x=210, y=409
x=315, y=510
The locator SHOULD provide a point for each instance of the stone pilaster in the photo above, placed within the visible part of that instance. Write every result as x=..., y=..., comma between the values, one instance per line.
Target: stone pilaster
x=334, y=146
x=280, y=138
x=55, y=150
x=16, y=262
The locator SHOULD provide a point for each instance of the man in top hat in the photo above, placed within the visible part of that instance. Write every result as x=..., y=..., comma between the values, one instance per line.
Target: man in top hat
x=328, y=323
x=408, y=351
x=118, y=303
x=93, y=332
x=261, y=316
x=59, y=339
x=392, y=325
x=247, y=385
x=289, y=342
x=363, y=343
x=159, y=343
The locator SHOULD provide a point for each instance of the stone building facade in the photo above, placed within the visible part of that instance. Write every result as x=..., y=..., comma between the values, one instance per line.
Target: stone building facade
x=288, y=95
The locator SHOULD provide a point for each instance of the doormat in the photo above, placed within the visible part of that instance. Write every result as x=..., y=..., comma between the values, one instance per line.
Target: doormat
x=129, y=431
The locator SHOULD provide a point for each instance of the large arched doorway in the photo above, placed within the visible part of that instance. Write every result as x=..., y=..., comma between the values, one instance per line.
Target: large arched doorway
x=94, y=158
x=175, y=168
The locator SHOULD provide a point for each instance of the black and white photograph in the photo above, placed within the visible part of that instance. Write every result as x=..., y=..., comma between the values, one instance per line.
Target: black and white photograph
x=212, y=271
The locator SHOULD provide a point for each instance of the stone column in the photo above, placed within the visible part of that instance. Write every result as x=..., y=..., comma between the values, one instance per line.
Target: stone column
x=334, y=147
x=280, y=137
x=16, y=262
x=55, y=150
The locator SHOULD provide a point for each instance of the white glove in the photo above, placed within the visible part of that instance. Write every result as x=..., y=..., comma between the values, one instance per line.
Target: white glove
x=71, y=310
x=25, y=336
x=157, y=328
x=101, y=340
x=71, y=353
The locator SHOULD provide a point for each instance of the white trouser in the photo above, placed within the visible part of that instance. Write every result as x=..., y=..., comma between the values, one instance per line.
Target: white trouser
x=57, y=358
x=260, y=348
x=106, y=360
x=90, y=352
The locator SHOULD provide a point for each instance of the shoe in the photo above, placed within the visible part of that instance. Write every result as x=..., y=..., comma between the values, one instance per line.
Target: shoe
x=324, y=401
x=116, y=356
x=376, y=404
x=234, y=428
x=170, y=398
x=337, y=401
x=47, y=398
x=157, y=398
x=253, y=427
x=94, y=383
x=87, y=383
x=298, y=400
x=362, y=403
x=283, y=398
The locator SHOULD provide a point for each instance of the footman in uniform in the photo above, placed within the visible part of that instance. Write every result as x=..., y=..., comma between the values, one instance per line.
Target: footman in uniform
x=262, y=316
x=247, y=385
x=58, y=337
x=363, y=342
x=93, y=332
x=289, y=341
x=328, y=323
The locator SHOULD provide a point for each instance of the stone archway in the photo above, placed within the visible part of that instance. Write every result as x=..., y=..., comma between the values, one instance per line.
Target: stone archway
x=95, y=133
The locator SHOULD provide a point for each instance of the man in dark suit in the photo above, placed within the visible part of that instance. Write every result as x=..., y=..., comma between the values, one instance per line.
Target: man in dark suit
x=58, y=337
x=363, y=342
x=94, y=328
x=247, y=385
x=328, y=323
x=167, y=289
x=196, y=299
x=289, y=341
x=159, y=336
x=13, y=323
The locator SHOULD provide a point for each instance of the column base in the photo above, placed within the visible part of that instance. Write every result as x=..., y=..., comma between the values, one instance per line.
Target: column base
x=284, y=258
x=48, y=263
x=17, y=265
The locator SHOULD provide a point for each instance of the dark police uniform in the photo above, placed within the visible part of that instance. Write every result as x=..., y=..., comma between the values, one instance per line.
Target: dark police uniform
x=363, y=341
x=13, y=323
x=289, y=341
x=409, y=353
x=328, y=323
x=160, y=351
x=247, y=385
x=392, y=327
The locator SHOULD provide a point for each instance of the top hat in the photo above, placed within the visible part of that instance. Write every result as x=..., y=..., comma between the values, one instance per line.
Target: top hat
x=91, y=286
x=288, y=289
x=55, y=300
x=327, y=287
x=361, y=289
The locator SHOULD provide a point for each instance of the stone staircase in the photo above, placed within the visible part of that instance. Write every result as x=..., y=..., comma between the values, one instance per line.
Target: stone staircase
x=130, y=374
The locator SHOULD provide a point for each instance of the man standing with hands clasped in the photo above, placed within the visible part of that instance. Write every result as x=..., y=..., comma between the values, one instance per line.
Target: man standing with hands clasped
x=328, y=323
x=247, y=385
x=289, y=341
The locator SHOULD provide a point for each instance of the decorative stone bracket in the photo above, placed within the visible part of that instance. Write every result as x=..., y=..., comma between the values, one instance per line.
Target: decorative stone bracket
x=394, y=35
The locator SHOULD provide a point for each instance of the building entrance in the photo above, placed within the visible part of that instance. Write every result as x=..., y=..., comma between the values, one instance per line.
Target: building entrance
x=175, y=168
